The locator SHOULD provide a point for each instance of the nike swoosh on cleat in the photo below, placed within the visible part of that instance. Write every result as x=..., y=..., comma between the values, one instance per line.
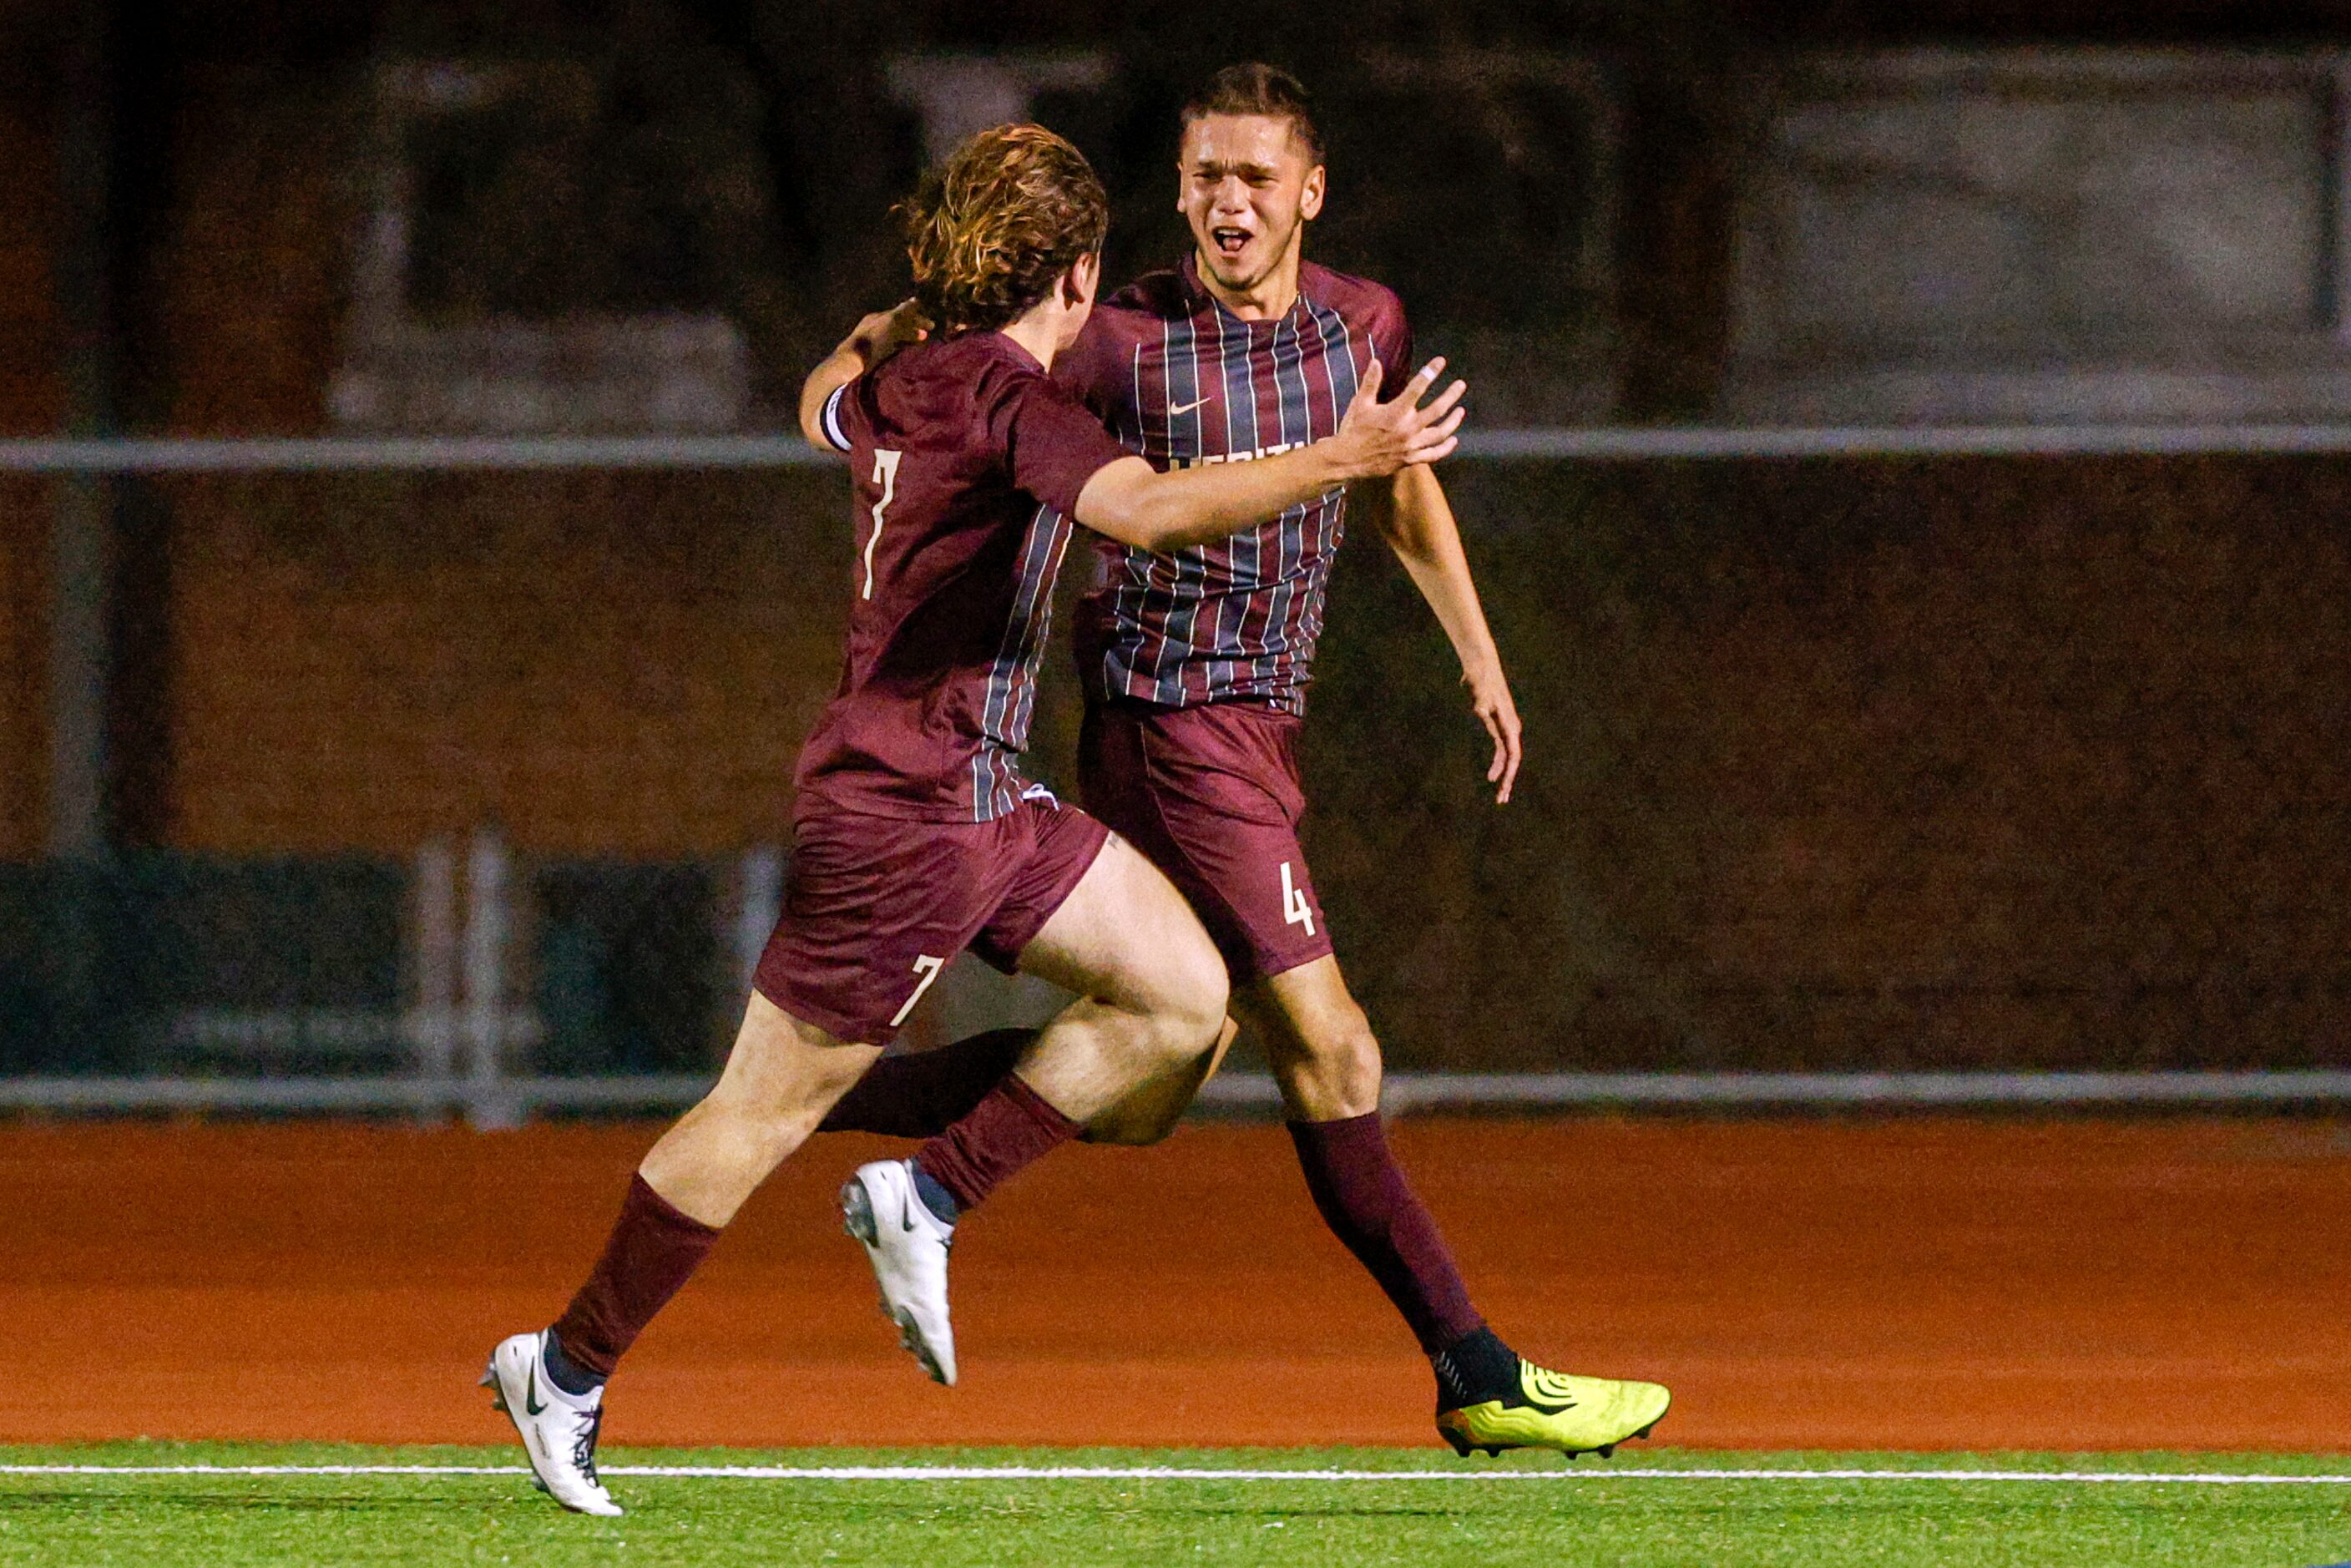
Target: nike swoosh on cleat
x=906, y=1214
x=531, y=1396
x=1178, y=412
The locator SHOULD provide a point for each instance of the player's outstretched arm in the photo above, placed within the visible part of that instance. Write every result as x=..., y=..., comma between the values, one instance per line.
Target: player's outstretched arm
x=1135, y=503
x=873, y=341
x=1412, y=514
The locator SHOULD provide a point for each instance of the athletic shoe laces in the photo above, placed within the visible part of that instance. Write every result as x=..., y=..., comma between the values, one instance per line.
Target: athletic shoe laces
x=583, y=1445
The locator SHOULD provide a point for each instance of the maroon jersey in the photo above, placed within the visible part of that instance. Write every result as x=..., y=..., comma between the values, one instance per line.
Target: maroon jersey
x=966, y=463
x=1181, y=379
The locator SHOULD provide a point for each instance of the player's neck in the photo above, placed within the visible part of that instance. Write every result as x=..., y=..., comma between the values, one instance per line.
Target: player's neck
x=1269, y=300
x=1039, y=333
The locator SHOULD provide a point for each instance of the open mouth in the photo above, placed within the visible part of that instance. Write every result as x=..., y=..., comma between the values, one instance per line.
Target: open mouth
x=1230, y=242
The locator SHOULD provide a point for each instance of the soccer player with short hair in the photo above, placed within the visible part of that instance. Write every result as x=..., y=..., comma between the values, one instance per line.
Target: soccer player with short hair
x=1196, y=664
x=915, y=834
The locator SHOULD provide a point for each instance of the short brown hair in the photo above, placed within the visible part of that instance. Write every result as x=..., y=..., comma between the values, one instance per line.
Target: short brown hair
x=1013, y=209
x=1257, y=88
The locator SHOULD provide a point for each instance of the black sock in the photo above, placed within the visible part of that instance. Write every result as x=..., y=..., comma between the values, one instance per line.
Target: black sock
x=1475, y=1368
x=934, y=1196
x=562, y=1371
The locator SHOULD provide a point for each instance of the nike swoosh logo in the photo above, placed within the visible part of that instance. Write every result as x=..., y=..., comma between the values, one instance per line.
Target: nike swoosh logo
x=1179, y=412
x=531, y=1396
x=906, y=1214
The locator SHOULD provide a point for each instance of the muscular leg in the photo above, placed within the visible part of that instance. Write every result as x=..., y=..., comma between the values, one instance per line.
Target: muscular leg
x=1151, y=1005
x=1151, y=1112
x=922, y=1093
x=1327, y=1061
x=781, y=1076
x=780, y=1079
x=1321, y=1046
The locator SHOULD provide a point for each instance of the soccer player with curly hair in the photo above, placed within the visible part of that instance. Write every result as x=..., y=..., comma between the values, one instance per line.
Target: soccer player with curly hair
x=1196, y=664
x=915, y=834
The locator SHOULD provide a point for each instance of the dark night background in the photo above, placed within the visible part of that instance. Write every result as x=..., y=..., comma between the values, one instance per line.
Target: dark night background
x=1962, y=762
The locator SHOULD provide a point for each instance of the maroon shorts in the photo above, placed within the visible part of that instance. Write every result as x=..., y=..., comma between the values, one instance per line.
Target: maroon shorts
x=1211, y=795
x=875, y=907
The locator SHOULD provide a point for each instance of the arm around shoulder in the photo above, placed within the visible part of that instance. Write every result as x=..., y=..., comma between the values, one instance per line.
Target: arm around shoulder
x=816, y=391
x=1135, y=503
x=873, y=341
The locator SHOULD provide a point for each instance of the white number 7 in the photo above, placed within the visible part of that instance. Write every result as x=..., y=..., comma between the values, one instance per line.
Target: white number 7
x=885, y=473
x=926, y=967
x=1295, y=910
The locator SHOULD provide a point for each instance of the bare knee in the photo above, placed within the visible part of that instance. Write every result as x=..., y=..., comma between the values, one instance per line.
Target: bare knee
x=1184, y=1007
x=1333, y=1072
x=1350, y=1066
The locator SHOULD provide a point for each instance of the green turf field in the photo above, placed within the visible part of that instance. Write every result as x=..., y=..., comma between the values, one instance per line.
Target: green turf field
x=1521, y=1514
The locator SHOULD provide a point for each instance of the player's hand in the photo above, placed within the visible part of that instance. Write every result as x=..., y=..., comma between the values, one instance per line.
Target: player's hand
x=885, y=332
x=1489, y=699
x=1379, y=437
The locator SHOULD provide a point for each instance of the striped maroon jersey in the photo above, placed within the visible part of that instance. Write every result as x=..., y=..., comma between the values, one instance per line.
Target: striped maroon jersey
x=1181, y=379
x=966, y=463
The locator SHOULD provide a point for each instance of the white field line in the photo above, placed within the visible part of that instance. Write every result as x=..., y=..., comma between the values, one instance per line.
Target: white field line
x=1179, y=1473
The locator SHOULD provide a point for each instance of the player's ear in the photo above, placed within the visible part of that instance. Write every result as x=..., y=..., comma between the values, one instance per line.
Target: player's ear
x=1084, y=277
x=1310, y=199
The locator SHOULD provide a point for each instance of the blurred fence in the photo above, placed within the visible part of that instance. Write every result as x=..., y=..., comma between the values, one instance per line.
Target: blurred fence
x=458, y=980
x=1924, y=767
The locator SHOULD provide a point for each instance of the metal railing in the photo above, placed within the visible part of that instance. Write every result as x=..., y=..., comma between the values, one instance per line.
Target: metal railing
x=422, y=454
x=463, y=1035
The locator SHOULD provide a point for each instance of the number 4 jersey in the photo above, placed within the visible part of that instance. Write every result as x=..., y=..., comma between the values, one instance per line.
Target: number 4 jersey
x=1196, y=664
x=1182, y=380
x=968, y=463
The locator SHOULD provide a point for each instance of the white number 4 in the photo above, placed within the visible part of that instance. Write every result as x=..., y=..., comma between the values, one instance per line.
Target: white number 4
x=928, y=968
x=1295, y=910
x=885, y=473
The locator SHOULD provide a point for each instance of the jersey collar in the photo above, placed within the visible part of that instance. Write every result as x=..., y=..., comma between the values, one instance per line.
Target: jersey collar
x=1200, y=297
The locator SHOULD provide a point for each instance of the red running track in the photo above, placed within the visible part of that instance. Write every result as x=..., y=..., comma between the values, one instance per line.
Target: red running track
x=1917, y=1284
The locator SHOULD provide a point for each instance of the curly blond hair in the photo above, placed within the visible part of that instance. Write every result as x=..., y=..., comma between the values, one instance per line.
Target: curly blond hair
x=991, y=232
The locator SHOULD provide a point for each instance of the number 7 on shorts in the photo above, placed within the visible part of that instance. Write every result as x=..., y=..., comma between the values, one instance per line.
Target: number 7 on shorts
x=928, y=968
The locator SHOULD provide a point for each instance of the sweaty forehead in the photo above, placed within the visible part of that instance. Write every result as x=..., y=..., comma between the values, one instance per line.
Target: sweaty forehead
x=1233, y=140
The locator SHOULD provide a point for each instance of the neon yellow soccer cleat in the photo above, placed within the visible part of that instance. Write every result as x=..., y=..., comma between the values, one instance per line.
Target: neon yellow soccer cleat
x=1557, y=1410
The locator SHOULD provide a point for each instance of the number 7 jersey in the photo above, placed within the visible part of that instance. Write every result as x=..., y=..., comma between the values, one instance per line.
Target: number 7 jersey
x=967, y=463
x=1181, y=379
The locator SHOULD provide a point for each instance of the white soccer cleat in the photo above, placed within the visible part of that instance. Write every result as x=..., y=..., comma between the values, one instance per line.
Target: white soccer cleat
x=907, y=1245
x=558, y=1430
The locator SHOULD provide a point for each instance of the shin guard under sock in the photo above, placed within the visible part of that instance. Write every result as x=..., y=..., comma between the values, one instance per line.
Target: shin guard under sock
x=652, y=1250
x=1011, y=1128
x=1368, y=1205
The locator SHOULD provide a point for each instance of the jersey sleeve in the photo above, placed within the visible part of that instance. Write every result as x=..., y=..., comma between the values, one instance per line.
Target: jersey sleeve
x=1390, y=337
x=1089, y=366
x=1052, y=442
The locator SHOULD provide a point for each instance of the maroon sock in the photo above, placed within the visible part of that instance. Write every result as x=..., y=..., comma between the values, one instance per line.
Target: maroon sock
x=1010, y=1128
x=922, y=1093
x=1370, y=1206
x=653, y=1250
